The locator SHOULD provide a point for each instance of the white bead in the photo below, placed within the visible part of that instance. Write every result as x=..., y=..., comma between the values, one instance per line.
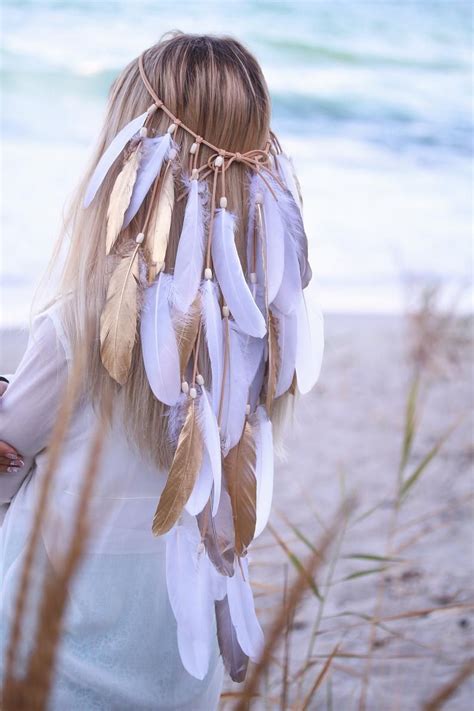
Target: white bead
x=225, y=311
x=171, y=128
x=143, y=132
x=185, y=387
x=172, y=154
x=192, y=393
x=193, y=148
x=259, y=198
x=151, y=109
x=139, y=238
x=199, y=379
x=207, y=273
x=223, y=202
x=253, y=278
x=195, y=174
x=247, y=409
x=219, y=161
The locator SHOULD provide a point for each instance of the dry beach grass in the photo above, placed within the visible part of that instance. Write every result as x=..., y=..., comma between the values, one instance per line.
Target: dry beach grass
x=370, y=608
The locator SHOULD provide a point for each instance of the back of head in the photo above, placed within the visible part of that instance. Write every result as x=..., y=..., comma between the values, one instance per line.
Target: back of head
x=212, y=93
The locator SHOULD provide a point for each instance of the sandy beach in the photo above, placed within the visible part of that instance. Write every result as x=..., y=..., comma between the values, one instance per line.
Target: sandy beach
x=413, y=569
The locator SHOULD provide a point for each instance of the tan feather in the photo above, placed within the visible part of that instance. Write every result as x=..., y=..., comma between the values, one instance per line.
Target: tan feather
x=120, y=196
x=274, y=358
x=160, y=223
x=182, y=475
x=118, y=320
x=239, y=472
x=293, y=386
x=186, y=328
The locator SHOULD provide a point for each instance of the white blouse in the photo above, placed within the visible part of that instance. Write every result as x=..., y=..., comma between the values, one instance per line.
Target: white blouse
x=119, y=647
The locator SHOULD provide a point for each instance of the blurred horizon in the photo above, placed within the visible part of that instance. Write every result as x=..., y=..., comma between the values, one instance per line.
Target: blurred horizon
x=372, y=100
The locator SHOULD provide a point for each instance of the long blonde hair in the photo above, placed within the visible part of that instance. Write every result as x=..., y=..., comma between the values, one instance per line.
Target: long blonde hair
x=215, y=86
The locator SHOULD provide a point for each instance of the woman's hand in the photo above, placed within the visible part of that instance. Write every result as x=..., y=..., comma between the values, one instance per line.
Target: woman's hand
x=10, y=460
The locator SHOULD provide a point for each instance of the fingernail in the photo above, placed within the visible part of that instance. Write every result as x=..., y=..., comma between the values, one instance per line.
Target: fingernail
x=18, y=463
x=11, y=455
x=12, y=470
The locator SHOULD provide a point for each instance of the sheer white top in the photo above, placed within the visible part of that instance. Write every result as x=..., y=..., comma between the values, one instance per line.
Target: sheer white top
x=119, y=647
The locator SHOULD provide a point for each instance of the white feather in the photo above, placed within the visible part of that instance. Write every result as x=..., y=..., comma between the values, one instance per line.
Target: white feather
x=160, y=352
x=190, y=254
x=252, y=351
x=212, y=319
x=110, y=155
x=235, y=396
x=242, y=611
x=210, y=434
x=256, y=386
x=230, y=276
x=287, y=344
x=264, y=469
x=275, y=243
x=289, y=292
x=309, y=347
x=155, y=152
x=190, y=594
x=286, y=170
x=202, y=488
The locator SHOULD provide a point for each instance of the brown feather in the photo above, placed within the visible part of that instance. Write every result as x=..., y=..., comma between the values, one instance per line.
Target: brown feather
x=274, y=358
x=120, y=196
x=160, y=223
x=182, y=475
x=218, y=534
x=118, y=320
x=186, y=327
x=239, y=472
x=235, y=660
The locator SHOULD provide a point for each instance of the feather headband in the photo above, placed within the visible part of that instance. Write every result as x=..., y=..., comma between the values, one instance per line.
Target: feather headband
x=253, y=324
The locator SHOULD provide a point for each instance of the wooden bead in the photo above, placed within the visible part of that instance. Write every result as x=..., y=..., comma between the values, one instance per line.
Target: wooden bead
x=171, y=128
x=253, y=278
x=219, y=161
x=247, y=409
x=151, y=109
x=192, y=393
x=195, y=174
x=199, y=379
x=223, y=202
x=225, y=311
x=139, y=238
x=259, y=198
x=143, y=132
x=207, y=273
x=184, y=387
x=193, y=148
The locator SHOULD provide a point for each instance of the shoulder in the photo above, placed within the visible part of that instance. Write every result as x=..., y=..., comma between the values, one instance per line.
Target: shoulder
x=48, y=328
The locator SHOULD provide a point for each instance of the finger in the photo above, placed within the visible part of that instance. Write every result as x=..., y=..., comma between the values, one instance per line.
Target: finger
x=6, y=450
x=17, y=462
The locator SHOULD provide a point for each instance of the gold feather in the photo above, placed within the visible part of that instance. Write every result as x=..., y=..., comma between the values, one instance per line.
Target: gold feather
x=274, y=358
x=118, y=320
x=293, y=386
x=182, y=475
x=120, y=196
x=239, y=472
x=160, y=222
x=186, y=329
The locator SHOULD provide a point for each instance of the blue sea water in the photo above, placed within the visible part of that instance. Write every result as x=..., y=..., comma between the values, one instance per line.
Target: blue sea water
x=372, y=98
